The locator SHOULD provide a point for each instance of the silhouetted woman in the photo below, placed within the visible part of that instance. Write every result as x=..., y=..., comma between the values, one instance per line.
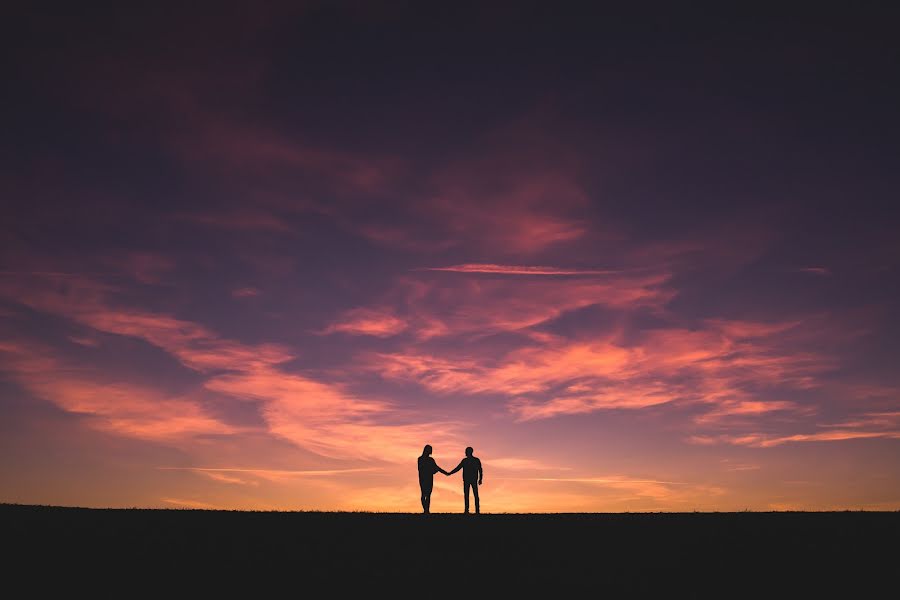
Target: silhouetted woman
x=427, y=469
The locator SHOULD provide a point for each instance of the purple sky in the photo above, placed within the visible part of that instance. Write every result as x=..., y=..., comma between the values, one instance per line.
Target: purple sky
x=257, y=256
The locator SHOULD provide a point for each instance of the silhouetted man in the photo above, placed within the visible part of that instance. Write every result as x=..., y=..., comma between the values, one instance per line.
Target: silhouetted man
x=472, y=477
x=427, y=469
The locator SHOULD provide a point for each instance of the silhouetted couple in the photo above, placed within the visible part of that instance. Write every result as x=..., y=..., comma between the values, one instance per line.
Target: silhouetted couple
x=472, y=476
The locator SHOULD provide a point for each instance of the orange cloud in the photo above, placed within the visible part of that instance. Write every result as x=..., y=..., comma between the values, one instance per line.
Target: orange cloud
x=239, y=475
x=439, y=307
x=513, y=463
x=651, y=488
x=224, y=478
x=193, y=504
x=327, y=420
x=556, y=376
x=121, y=408
x=323, y=418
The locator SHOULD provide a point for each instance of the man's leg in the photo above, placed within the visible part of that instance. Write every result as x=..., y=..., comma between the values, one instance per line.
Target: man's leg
x=466, y=494
x=475, y=492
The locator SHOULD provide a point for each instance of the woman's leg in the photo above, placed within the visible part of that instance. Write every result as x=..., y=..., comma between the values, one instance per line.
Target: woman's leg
x=426, y=496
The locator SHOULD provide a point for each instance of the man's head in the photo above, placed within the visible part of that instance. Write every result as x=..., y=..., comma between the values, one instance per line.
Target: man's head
x=427, y=450
x=469, y=451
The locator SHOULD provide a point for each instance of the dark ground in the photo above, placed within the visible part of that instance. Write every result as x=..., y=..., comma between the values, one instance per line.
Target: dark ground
x=132, y=553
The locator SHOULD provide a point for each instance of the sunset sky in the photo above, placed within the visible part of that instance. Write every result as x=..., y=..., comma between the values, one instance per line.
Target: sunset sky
x=256, y=256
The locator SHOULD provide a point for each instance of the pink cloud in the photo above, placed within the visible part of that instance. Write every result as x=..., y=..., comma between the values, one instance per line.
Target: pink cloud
x=241, y=150
x=365, y=321
x=85, y=301
x=115, y=406
x=517, y=270
x=731, y=409
x=868, y=426
x=517, y=194
x=245, y=292
x=225, y=478
x=512, y=212
x=641, y=488
x=146, y=267
x=192, y=504
x=750, y=329
x=761, y=440
x=88, y=342
x=330, y=421
x=557, y=376
x=442, y=306
x=321, y=417
x=251, y=476
x=631, y=396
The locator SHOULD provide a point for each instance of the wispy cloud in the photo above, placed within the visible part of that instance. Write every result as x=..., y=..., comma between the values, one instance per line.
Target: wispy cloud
x=122, y=408
x=518, y=270
x=762, y=440
x=366, y=321
x=86, y=341
x=322, y=417
x=744, y=408
x=512, y=463
x=868, y=426
x=558, y=376
x=250, y=476
x=650, y=488
x=195, y=504
x=144, y=267
x=437, y=307
x=245, y=292
x=229, y=479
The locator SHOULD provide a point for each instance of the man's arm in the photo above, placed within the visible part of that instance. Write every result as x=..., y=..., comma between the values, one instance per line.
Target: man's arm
x=458, y=467
x=480, y=472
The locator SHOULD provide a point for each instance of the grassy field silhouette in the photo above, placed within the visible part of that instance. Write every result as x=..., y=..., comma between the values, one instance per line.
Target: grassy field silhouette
x=674, y=554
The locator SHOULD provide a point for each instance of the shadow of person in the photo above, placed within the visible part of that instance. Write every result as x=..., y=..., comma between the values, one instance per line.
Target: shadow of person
x=427, y=468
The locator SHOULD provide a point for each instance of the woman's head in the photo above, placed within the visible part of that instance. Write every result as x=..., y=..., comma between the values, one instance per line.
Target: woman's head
x=426, y=451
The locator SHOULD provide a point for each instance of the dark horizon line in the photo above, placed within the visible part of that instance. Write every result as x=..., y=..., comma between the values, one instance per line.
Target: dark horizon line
x=4, y=505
